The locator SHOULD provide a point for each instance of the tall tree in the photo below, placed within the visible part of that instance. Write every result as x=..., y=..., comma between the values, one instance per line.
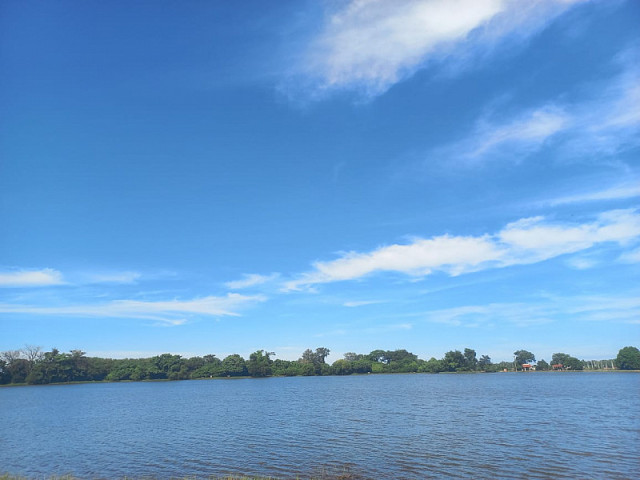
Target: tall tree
x=470, y=359
x=353, y=357
x=454, y=361
x=321, y=353
x=234, y=366
x=542, y=365
x=523, y=356
x=484, y=362
x=259, y=364
x=628, y=358
x=308, y=356
x=559, y=358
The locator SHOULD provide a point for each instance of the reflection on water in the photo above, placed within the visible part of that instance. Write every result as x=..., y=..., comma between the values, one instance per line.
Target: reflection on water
x=500, y=426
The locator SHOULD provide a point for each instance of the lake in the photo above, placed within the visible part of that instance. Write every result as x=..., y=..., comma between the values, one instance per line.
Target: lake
x=499, y=426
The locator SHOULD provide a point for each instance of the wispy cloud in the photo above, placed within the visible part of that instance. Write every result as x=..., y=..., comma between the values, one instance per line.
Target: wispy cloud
x=604, y=123
x=610, y=121
x=582, y=262
x=370, y=45
x=31, y=278
x=524, y=134
x=393, y=327
x=631, y=257
x=170, y=312
x=616, y=192
x=361, y=303
x=525, y=241
x=112, y=277
x=621, y=308
x=250, y=280
x=521, y=314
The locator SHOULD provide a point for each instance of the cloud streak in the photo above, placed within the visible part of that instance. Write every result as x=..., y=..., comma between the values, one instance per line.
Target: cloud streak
x=31, y=278
x=624, y=309
x=605, y=123
x=113, y=277
x=170, y=312
x=617, y=192
x=250, y=280
x=526, y=133
x=525, y=241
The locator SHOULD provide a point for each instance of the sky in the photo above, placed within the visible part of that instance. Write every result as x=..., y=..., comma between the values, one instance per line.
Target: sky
x=221, y=177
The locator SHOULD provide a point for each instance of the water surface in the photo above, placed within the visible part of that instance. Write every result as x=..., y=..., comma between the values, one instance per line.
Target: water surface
x=499, y=426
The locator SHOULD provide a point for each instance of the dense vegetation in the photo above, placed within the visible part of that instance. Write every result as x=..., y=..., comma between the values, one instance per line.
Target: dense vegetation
x=33, y=366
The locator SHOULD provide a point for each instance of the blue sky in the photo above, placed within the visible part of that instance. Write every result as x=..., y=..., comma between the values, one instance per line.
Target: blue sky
x=209, y=177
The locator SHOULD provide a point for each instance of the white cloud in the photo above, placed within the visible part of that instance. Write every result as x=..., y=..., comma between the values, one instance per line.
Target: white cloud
x=250, y=280
x=610, y=121
x=605, y=123
x=521, y=314
x=582, y=263
x=372, y=44
x=526, y=133
x=622, y=308
x=31, y=278
x=525, y=241
x=616, y=192
x=170, y=312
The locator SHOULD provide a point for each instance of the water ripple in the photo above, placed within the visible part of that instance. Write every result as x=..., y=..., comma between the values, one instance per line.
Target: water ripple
x=500, y=426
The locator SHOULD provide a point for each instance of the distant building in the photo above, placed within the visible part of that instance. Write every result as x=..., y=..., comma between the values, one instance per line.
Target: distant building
x=526, y=367
x=557, y=366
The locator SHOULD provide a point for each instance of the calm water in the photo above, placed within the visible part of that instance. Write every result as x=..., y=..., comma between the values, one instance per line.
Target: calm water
x=543, y=425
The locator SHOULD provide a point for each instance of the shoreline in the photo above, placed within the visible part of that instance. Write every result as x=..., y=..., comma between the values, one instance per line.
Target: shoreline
x=247, y=377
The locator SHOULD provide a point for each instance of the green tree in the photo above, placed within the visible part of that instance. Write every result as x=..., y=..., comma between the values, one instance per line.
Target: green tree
x=566, y=360
x=523, y=356
x=353, y=357
x=19, y=370
x=312, y=362
x=211, y=367
x=259, y=364
x=470, y=361
x=234, y=366
x=165, y=366
x=98, y=368
x=628, y=359
x=484, y=363
x=343, y=367
x=542, y=365
x=432, y=366
x=307, y=356
x=321, y=353
x=361, y=365
x=393, y=361
x=5, y=376
x=453, y=361
x=79, y=366
x=284, y=368
x=402, y=360
x=559, y=358
x=378, y=356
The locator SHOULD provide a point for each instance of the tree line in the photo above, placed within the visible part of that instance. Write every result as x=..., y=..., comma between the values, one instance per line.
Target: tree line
x=31, y=365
